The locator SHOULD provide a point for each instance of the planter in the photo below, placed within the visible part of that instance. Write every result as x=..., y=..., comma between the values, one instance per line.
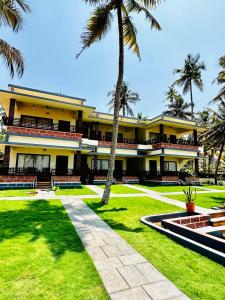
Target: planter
x=190, y=207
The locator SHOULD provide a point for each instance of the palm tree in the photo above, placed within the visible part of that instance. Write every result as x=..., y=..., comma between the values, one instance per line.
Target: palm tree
x=214, y=137
x=204, y=116
x=220, y=79
x=11, y=15
x=97, y=27
x=177, y=107
x=190, y=74
x=126, y=97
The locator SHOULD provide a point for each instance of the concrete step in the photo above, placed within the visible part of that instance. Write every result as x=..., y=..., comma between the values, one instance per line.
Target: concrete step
x=218, y=214
x=217, y=221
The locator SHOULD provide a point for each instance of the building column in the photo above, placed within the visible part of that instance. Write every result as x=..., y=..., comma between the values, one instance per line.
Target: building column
x=97, y=130
x=12, y=106
x=6, y=157
x=162, y=165
x=196, y=162
x=95, y=162
x=137, y=135
x=79, y=121
x=78, y=161
x=161, y=133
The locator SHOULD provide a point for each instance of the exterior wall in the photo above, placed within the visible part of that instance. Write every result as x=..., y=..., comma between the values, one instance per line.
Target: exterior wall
x=43, y=112
x=106, y=150
x=128, y=132
x=52, y=152
x=180, y=162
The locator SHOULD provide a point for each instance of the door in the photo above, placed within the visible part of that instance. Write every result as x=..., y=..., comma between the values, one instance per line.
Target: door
x=64, y=126
x=61, y=165
x=153, y=167
x=118, y=171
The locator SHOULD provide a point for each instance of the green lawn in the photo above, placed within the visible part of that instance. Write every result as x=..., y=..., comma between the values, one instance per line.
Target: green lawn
x=122, y=189
x=83, y=190
x=214, y=187
x=167, y=188
x=41, y=256
x=196, y=275
x=17, y=193
x=207, y=200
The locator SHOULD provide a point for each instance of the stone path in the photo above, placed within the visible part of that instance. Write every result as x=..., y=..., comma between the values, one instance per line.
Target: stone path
x=125, y=273
x=160, y=197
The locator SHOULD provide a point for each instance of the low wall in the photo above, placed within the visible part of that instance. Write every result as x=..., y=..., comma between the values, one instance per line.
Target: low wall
x=18, y=182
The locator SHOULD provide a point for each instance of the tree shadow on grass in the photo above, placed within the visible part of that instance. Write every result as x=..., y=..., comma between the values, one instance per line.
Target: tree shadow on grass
x=41, y=219
x=218, y=200
x=97, y=207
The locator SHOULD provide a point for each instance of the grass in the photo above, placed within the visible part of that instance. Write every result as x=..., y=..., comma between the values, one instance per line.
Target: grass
x=82, y=190
x=206, y=200
x=215, y=187
x=17, y=193
x=196, y=275
x=167, y=188
x=41, y=256
x=122, y=189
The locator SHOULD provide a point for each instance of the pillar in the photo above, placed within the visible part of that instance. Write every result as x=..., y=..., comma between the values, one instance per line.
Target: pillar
x=162, y=165
x=136, y=135
x=6, y=157
x=78, y=161
x=161, y=133
x=79, y=121
x=195, y=140
x=12, y=106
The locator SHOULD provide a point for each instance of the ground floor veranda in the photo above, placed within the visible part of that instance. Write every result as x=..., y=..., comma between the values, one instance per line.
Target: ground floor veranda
x=45, y=163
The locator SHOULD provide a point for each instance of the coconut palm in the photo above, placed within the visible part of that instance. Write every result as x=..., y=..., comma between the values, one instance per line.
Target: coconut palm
x=204, y=116
x=97, y=27
x=171, y=94
x=190, y=75
x=127, y=97
x=178, y=108
x=214, y=137
x=220, y=79
x=11, y=14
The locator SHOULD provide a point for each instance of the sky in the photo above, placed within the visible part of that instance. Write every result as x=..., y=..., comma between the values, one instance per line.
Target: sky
x=50, y=40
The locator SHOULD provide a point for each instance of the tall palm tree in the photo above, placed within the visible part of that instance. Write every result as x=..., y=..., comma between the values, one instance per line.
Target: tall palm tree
x=190, y=74
x=171, y=94
x=11, y=14
x=220, y=79
x=126, y=97
x=214, y=137
x=178, y=108
x=204, y=116
x=97, y=27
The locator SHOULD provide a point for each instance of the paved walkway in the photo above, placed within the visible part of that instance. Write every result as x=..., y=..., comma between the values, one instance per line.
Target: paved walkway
x=125, y=273
x=160, y=197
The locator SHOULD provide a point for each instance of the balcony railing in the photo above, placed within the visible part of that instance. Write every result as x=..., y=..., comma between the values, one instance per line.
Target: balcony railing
x=54, y=126
x=109, y=139
x=180, y=141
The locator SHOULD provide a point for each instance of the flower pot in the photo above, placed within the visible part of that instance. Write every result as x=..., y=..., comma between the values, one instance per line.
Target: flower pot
x=190, y=207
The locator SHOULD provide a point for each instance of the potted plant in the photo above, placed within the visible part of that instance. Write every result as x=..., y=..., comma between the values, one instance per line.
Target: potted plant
x=190, y=204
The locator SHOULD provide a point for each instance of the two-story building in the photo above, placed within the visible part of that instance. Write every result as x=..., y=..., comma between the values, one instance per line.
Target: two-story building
x=51, y=134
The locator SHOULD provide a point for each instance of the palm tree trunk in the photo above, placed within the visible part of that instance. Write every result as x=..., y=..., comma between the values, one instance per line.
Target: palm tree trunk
x=124, y=111
x=106, y=194
x=218, y=162
x=192, y=103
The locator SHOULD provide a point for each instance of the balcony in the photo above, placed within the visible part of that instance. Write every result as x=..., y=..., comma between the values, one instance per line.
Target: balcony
x=42, y=125
x=179, y=144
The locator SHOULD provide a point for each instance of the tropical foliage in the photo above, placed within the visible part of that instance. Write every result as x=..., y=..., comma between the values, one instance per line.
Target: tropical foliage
x=220, y=79
x=97, y=27
x=11, y=15
x=177, y=107
x=127, y=97
x=190, y=74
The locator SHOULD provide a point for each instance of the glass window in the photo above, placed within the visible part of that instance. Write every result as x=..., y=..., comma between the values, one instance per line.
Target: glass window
x=39, y=162
x=170, y=166
x=102, y=164
x=27, y=121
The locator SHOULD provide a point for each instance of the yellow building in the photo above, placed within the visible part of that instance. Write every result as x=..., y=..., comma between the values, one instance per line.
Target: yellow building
x=52, y=135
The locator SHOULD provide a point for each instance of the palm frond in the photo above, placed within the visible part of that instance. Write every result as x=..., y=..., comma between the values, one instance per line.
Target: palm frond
x=97, y=26
x=12, y=58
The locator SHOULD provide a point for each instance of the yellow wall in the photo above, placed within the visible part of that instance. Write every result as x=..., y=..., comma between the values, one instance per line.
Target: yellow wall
x=52, y=152
x=43, y=112
x=180, y=162
x=128, y=132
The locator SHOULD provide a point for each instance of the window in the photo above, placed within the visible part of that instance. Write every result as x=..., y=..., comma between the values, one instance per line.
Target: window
x=170, y=166
x=30, y=161
x=102, y=164
x=36, y=122
x=108, y=136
